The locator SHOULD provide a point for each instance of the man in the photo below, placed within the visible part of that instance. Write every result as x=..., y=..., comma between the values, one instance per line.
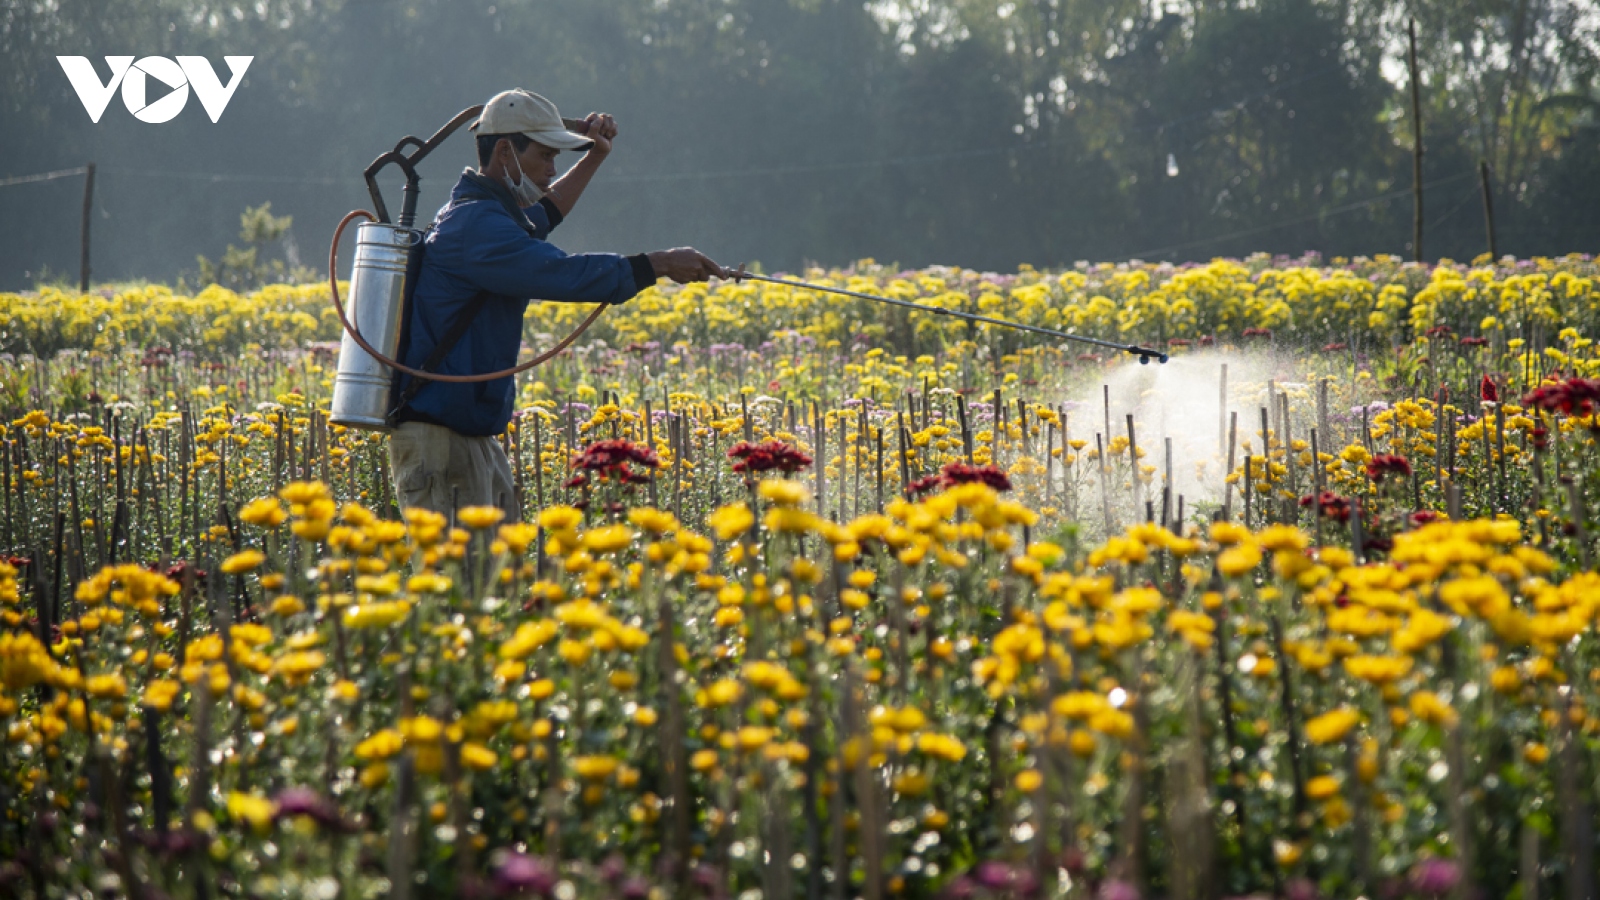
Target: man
x=485, y=258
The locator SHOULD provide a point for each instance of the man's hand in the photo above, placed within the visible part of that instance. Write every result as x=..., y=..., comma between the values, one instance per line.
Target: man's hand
x=686, y=264
x=597, y=127
x=600, y=128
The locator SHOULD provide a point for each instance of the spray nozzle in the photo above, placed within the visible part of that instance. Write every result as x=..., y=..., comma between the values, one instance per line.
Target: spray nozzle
x=1146, y=354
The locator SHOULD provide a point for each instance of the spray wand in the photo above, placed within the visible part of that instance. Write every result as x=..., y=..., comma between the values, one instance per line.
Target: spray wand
x=1145, y=354
x=362, y=386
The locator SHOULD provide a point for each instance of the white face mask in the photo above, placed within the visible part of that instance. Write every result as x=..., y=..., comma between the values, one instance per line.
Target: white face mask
x=523, y=190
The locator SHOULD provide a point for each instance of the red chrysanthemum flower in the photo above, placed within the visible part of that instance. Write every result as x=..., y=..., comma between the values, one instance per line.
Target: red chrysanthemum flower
x=961, y=473
x=767, y=456
x=1573, y=397
x=1328, y=505
x=1388, y=464
x=924, y=485
x=615, y=454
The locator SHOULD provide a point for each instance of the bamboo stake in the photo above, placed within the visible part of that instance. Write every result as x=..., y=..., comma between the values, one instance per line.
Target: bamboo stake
x=879, y=433
x=675, y=424
x=1049, y=441
x=673, y=746
x=819, y=434
x=1222, y=410
x=859, y=448
x=1022, y=426
x=905, y=450
x=1577, y=822
x=1137, y=487
x=996, y=423
x=324, y=436
x=966, y=427
x=538, y=464
x=7, y=475
x=1105, y=397
x=1322, y=408
x=1249, y=484
x=1502, y=495
x=1316, y=487
x=515, y=435
x=1167, y=485
x=1227, y=487
x=844, y=464
x=1288, y=445
x=1105, y=485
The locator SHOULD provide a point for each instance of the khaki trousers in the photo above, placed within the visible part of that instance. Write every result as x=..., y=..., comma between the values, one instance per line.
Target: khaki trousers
x=438, y=469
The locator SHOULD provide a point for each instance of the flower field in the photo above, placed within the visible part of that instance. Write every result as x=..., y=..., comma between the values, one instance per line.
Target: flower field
x=815, y=598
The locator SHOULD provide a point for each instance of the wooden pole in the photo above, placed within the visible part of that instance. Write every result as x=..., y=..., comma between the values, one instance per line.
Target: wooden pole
x=1133, y=463
x=1416, y=145
x=1222, y=410
x=819, y=436
x=1322, y=410
x=1488, y=207
x=1227, y=489
x=88, y=203
x=879, y=439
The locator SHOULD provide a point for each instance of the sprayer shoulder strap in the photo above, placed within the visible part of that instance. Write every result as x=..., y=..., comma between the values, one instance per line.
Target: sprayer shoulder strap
x=463, y=320
x=458, y=330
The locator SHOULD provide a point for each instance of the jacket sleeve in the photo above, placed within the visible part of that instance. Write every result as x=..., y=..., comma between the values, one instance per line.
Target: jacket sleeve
x=544, y=216
x=501, y=258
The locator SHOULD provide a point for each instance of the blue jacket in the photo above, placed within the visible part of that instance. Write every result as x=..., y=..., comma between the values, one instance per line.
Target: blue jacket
x=477, y=245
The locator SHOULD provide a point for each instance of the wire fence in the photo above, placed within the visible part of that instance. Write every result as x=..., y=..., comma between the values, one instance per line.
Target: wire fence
x=44, y=176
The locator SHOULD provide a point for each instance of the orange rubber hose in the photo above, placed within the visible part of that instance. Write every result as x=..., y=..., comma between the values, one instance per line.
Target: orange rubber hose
x=333, y=284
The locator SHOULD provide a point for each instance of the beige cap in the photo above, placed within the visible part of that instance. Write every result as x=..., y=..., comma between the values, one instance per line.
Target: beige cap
x=526, y=113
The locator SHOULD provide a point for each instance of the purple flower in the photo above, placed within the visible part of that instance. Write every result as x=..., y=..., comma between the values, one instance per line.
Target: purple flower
x=1117, y=889
x=519, y=873
x=1300, y=889
x=303, y=801
x=994, y=875
x=1435, y=877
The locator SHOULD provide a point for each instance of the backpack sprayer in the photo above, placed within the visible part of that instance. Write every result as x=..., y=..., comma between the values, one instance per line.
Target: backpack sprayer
x=387, y=257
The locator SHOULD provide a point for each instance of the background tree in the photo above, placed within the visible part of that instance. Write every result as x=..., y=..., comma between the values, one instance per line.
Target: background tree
x=973, y=132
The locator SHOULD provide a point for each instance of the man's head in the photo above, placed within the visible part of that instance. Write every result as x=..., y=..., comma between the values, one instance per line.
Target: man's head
x=522, y=130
